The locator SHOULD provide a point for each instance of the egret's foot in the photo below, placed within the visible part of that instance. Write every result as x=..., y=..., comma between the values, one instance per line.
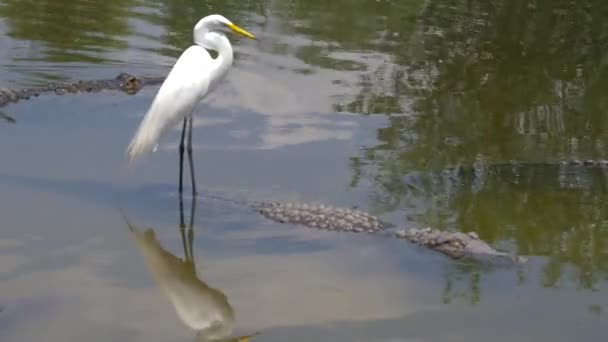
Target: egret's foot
x=7, y=117
x=246, y=338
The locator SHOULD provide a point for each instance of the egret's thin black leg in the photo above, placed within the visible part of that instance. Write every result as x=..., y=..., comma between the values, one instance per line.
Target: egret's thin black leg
x=181, y=158
x=189, y=150
x=191, y=229
x=182, y=225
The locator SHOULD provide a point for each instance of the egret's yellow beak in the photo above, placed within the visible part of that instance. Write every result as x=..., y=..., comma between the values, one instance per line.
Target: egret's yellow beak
x=240, y=31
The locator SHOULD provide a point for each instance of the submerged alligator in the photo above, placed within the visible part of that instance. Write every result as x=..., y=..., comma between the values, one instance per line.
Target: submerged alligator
x=124, y=82
x=590, y=174
x=456, y=245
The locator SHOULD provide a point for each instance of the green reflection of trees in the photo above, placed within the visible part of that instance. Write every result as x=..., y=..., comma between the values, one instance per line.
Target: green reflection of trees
x=353, y=25
x=457, y=276
x=568, y=226
x=178, y=17
x=361, y=28
x=499, y=80
x=71, y=31
x=489, y=81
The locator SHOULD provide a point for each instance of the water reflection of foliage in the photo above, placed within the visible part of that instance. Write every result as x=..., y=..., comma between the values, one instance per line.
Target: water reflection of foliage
x=353, y=25
x=495, y=81
x=568, y=226
x=83, y=31
x=71, y=31
x=359, y=27
x=495, y=94
x=178, y=17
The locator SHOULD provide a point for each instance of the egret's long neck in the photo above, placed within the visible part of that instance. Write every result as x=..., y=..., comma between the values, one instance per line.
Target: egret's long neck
x=224, y=58
x=213, y=40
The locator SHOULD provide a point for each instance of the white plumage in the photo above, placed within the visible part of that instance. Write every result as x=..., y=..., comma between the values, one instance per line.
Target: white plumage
x=192, y=77
x=176, y=99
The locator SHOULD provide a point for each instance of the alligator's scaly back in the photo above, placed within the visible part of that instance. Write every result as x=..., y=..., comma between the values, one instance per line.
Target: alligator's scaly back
x=321, y=216
x=124, y=82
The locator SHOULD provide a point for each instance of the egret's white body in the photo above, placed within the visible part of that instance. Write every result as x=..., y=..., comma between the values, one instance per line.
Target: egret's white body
x=193, y=76
x=186, y=85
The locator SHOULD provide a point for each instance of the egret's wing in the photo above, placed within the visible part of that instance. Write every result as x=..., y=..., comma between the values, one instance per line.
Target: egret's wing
x=184, y=87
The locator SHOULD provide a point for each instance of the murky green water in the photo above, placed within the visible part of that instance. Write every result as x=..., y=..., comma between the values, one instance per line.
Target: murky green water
x=365, y=103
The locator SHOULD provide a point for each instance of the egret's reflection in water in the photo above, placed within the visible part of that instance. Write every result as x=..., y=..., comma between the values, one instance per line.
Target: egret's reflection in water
x=202, y=308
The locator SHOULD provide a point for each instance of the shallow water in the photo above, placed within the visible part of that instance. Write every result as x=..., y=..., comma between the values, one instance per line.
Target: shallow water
x=350, y=103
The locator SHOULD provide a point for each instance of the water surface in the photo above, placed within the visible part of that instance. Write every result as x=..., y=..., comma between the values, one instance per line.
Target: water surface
x=351, y=103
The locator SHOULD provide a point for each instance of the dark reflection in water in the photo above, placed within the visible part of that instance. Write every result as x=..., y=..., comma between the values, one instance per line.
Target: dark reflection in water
x=372, y=30
x=492, y=81
x=179, y=16
x=68, y=31
x=202, y=308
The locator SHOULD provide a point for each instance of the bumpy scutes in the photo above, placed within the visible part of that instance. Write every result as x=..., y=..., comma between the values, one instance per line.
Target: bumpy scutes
x=456, y=245
x=321, y=216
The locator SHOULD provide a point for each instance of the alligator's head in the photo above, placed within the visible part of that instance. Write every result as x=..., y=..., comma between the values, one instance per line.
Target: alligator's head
x=129, y=83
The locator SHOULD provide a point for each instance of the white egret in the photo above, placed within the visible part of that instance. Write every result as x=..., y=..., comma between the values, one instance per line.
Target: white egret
x=193, y=76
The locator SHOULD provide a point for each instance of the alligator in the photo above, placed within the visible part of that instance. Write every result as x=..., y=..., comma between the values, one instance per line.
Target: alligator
x=456, y=245
x=124, y=82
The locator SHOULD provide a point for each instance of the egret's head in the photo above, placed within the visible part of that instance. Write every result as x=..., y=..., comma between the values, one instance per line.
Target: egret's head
x=217, y=23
